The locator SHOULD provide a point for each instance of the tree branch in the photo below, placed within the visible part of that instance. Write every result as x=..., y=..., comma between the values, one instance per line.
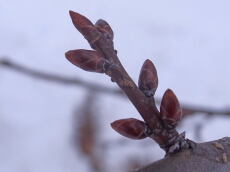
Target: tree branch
x=205, y=157
x=158, y=125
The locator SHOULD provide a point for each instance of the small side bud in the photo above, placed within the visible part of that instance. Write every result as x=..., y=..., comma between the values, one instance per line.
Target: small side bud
x=148, y=80
x=170, y=109
x=105, y=28
x=85, y=26
x=87, y=60
x=131, y=128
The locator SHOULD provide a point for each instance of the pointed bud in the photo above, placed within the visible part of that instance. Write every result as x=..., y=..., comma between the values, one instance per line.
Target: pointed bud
x=170, y=109
x=79, y=21
x=148, y=80
x=131, y=128
x=87, y=60
x=85, y=26
x=105, y=28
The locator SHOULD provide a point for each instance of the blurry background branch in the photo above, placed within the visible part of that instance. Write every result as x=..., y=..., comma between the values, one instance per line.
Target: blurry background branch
x=85, y=132
x=74, y=81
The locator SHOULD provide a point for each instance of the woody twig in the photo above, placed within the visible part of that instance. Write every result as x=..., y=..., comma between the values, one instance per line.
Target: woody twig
x=157, y=125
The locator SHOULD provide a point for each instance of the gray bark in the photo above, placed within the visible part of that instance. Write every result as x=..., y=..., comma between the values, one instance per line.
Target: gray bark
x=205, y=157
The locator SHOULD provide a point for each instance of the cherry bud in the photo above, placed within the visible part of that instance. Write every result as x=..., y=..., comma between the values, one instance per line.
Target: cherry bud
x=85, y=26
x=105, y=28
x=148, y=80
x=170, y=109
x=131, y=128
x=87, y=60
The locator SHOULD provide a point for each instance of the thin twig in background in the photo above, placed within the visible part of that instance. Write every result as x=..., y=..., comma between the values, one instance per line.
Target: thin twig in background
x=60, y=79
x=74, y=81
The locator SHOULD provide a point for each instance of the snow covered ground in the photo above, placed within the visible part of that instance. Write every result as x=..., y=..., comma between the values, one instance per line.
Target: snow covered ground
x=187, y=40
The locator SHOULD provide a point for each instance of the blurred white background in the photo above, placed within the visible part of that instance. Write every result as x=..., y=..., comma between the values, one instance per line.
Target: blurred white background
x=188, y=41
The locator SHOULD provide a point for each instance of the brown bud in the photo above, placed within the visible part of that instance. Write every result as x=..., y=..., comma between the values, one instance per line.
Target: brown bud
x=131, y=128
x=85, y=26
x=80, y=21
x=105, y=28
x=87, y=60
x=170, y=109
x=148, y=80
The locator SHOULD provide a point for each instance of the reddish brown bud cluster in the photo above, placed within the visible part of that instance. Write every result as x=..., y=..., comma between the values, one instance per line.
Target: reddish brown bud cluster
x=148, y=80
x=170, y=109
x=159, y=126
x=87, y=60
x=131, y=128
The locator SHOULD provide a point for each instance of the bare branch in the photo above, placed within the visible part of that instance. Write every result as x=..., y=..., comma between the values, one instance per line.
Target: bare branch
x=159, y=126
x=205, y=157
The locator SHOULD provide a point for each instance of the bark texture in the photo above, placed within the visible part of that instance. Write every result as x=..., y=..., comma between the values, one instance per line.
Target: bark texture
x=205, y=157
